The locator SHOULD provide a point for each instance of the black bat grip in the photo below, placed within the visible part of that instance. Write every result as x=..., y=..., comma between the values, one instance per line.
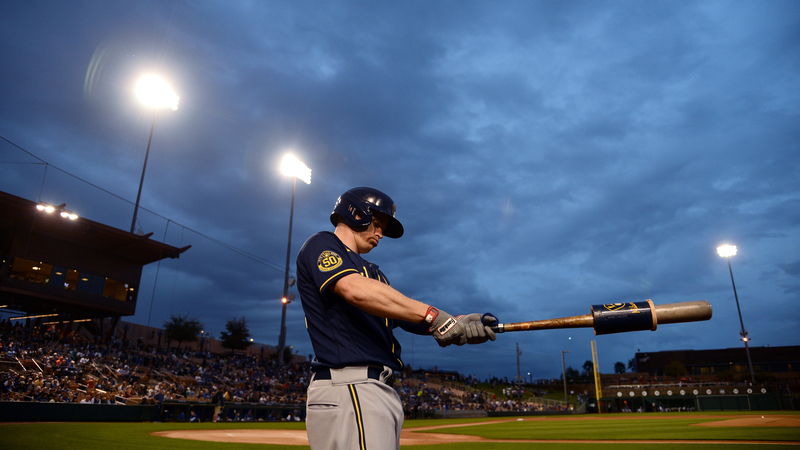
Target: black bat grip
x=623, y=317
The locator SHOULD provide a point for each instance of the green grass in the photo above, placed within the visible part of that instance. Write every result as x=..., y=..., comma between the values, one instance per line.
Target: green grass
x=652, y=427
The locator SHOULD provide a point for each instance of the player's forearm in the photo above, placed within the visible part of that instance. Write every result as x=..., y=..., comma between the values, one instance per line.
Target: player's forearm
x=379, y=299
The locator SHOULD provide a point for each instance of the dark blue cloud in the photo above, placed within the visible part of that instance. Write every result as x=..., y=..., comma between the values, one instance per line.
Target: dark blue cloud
x=544, y=156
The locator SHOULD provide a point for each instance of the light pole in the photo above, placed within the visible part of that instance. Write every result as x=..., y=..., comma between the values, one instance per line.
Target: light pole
x=564, y=374
x=726, y=251
x=154, y=93
x=296, y=169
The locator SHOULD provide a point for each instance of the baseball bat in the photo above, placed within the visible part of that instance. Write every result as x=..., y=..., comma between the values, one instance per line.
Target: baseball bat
x=620, y=317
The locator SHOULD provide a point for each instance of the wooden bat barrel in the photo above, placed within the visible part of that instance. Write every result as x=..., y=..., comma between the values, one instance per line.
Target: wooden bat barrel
x=620, y=317
x=694, y=311
x=639, y=316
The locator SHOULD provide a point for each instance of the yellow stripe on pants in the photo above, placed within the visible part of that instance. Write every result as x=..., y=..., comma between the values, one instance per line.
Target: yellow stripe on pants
x=362, y=439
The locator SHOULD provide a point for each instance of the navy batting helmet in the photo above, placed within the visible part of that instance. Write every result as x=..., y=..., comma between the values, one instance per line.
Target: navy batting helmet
x=362, y=201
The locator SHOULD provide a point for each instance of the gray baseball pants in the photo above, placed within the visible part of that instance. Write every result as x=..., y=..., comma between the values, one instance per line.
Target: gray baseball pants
x=353, y=412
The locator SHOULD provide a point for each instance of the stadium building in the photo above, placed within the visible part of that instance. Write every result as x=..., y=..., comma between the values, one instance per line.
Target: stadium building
x=779, y=365
x=61, y=269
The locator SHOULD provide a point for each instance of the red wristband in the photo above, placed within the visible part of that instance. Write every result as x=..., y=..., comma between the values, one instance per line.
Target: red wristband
x=431, y=314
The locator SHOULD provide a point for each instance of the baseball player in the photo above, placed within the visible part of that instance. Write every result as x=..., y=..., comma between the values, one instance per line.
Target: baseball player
x=351, y=312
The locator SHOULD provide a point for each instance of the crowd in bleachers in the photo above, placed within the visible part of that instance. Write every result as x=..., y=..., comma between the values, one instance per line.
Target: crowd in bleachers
x=40, y=366
x=37, y=364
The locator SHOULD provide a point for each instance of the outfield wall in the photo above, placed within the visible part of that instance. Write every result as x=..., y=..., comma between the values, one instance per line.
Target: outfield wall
x=74, y=412
x=88, y=412
x=79, y=412
x=528, y=413
x=709, y=402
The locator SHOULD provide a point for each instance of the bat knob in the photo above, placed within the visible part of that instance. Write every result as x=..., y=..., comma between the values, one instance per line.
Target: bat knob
x=491, y=321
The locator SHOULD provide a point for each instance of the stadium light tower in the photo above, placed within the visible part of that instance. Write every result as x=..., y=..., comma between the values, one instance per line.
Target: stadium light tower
x=294, y=168
x=726, y=251
x=65, y=213
x=154, y=93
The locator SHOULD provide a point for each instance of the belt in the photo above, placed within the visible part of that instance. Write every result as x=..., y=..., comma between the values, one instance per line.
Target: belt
x=373, y=373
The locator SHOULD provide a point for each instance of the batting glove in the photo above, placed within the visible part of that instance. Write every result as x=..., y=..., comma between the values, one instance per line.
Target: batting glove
x=458, y=330
x=478, y=328
x=446, y=329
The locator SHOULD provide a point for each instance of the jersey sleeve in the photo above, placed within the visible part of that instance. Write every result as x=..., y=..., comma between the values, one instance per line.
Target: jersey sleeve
x=323, y=260
x=421, y=328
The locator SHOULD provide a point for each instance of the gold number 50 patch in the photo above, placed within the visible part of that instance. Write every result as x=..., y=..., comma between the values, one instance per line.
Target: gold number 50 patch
x=328, y=261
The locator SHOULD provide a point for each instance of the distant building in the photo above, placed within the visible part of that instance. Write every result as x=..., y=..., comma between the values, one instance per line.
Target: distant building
x=62, y=271
x=782, y=363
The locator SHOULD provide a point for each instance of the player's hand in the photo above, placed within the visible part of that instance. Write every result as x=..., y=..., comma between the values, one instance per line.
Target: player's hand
x=478, y=328
x=446, y=329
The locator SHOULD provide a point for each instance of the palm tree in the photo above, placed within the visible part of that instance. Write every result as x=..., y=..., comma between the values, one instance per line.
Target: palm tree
x=236, y=335
x=588, y=371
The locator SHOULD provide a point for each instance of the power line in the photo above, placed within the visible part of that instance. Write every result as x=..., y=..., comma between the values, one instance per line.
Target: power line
x=244, y=253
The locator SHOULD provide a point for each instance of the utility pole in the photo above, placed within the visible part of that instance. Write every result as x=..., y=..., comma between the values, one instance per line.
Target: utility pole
x=564, y=375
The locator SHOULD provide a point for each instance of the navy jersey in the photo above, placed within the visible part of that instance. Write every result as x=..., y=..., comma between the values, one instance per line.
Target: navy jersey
x=341, y=334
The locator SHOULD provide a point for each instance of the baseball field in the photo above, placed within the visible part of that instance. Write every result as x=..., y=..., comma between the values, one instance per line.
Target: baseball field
x=704, y=430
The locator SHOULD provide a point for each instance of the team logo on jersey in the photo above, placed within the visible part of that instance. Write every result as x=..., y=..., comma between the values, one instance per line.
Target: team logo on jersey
x=328, y=261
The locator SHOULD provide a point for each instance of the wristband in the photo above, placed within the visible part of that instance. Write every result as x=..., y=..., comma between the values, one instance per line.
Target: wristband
x=431, y=315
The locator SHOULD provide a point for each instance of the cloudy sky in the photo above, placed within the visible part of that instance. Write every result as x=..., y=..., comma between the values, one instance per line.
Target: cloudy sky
x=544, y=156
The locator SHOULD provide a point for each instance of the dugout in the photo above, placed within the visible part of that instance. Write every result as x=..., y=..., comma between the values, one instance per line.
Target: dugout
x=233, y=411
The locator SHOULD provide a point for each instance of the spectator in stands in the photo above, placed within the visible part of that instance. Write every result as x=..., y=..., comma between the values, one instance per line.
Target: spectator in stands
x=159, y=401
x=219, y=403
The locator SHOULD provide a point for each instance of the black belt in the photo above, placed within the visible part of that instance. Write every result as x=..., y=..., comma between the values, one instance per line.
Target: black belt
x=373, y=373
